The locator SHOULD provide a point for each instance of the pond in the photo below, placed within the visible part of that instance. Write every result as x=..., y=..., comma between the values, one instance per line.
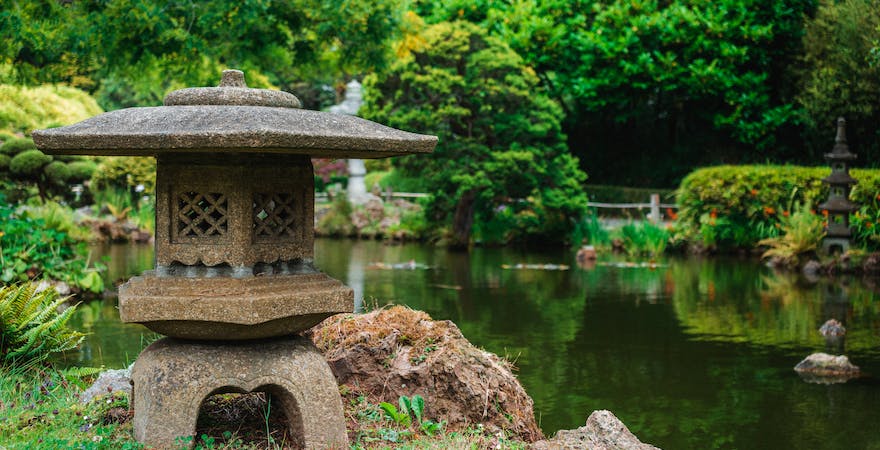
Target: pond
x=692, y=353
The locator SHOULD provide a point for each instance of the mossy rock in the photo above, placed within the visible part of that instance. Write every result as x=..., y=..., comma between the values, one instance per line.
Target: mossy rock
x=57, y=172
x=15, y=146
x=29, y=162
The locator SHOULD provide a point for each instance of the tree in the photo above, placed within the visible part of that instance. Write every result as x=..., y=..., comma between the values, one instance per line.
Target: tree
x=22, y=162
x=842, y=76
x=501, y=157
x=131, y=52
x=650, y=88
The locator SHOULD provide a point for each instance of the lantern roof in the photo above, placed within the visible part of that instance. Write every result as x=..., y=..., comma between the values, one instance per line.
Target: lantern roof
x=230, y=118
x=840, y=151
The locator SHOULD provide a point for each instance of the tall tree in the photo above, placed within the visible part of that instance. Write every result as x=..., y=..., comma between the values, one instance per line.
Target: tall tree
x=501, y=154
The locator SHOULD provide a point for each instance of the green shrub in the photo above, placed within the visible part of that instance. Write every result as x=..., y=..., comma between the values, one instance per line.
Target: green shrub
x=801, y=234
x=15, y=146
x=124, y=172
x=57, y=172
x=81, y=170
x=27, y=108
x=728, y=207
x=40, y=244
x=31, y=328
x=28, y=163
x=4, y=162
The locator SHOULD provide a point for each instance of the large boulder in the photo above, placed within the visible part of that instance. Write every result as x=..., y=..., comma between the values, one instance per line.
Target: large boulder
x=603, y=431
x=823, y=368
x=396, y=352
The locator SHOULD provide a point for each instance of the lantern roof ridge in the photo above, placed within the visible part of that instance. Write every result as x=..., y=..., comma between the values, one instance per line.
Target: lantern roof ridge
x=230, y=118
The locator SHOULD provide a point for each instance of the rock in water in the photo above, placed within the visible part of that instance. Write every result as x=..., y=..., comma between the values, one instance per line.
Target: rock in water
x=826, y=369
x=394, y=352
x=832, y=328
x=603, y=431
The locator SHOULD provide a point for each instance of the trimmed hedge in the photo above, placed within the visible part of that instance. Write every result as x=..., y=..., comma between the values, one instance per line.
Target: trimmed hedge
x=27, y=108
x=743, y=203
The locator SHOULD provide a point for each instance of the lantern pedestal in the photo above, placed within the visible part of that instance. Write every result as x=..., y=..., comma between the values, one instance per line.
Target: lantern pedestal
x=173, y=377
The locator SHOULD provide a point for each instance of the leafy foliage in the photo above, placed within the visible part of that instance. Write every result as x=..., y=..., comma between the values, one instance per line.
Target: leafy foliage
x=131, y=52
x=31, y=328
x=25, y=109
x=647, y=86
x=501, y=145
x=52, y=176
x=842, y=74
x=801, y=233
x=38, y=243
x=736, y=206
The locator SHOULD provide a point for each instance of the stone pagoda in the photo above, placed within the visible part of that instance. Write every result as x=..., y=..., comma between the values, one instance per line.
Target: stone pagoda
x=234, y=281
x=838, y=206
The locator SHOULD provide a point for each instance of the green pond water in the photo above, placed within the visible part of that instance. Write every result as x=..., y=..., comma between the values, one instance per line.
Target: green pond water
x=693, y=354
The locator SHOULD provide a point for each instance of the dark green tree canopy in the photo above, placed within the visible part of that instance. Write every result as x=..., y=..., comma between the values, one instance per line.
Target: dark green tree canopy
x=501, y=151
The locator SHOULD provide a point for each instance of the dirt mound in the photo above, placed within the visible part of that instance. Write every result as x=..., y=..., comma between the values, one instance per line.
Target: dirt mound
x=396, y=352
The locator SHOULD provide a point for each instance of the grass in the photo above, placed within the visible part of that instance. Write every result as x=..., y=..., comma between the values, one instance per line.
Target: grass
x=40, y=409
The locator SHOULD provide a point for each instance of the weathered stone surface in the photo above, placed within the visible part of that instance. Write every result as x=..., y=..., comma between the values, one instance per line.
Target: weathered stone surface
x=397, y=351
x=172, y=378
x=832, y=327
x=232, y=91
x=109, y=381
x=603, y=431
x=152, y=131
x=228, y=308
x=235, y=210
x=823, y=368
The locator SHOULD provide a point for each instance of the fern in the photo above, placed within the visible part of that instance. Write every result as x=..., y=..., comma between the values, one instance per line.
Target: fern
x=31, y=328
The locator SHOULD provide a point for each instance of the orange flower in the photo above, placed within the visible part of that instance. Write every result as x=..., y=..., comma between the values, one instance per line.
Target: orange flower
x=869, y=225
x=671, y=214
x=754, y=192
x=713, y=214
x=784, y=213
x=825, y=212
x=769, y=211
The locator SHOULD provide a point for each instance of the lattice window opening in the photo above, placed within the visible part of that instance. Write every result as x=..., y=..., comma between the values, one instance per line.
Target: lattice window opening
x=202, y=215
x=275, y=215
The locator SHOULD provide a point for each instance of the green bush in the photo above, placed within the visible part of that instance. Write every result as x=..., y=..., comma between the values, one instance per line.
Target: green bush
x=124, y=172
x=15, y=146
x=40, y=244
x=31, y=328
x=4, y=162
x=728, y=207
x=81, y=170
x=28, y=163
x=28, y=108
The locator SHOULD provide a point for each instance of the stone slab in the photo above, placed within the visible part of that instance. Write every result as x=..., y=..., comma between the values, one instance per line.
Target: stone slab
x=172, y=378
x=226, y=308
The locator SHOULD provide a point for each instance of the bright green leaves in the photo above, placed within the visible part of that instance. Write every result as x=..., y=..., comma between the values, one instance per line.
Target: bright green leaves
x=501, y=147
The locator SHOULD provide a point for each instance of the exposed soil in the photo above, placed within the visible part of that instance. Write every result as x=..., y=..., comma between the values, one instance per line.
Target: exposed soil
x=397, y=351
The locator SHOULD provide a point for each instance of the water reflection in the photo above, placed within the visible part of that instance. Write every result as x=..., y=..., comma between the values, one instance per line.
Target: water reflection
x=690, y=353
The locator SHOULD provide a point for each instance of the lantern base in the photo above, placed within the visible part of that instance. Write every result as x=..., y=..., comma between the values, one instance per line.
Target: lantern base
x=172, y=378
x=226, y=308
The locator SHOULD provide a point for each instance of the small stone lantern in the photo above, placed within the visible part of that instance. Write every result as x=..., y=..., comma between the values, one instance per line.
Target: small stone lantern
x=234, y=281
x=838, y=206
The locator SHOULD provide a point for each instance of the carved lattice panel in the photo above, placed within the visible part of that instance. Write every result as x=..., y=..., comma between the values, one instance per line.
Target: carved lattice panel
x=275, y=215
x=201, y=214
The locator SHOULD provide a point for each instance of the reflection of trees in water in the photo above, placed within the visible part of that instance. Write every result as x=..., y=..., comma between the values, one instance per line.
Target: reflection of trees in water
x=747, y=304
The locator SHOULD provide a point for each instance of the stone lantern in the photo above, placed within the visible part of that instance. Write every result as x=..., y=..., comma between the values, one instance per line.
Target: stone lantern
x=234, y=281
x=837, y=230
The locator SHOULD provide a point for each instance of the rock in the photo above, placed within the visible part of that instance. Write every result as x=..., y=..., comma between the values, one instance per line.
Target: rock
x=603, y=431
x=871, y=265
x=586, y=253
x=394, y=352
x=109, y=381
x=823, y=368
x=812, y=267
x=832, y=328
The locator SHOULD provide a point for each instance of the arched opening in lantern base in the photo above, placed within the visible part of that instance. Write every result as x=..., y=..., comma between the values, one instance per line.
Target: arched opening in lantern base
x=267, y=417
